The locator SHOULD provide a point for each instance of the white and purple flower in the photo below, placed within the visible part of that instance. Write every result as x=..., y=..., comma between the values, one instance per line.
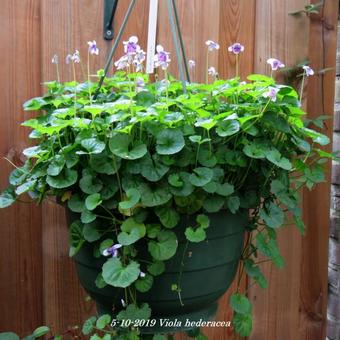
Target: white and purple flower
x=236, y=48
x=212, y=71
x=122, y=62
x=212, y=45
x=191, y=63
x=142, y=274
x=55, y=59
x=308, y=70
x=271, y=93
x=275, y=64
x=161, y=58
x=93, y=49
x=113, y=250
x=131, y=46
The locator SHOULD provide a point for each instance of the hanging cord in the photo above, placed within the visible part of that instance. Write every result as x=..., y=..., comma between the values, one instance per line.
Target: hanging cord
x=175, y=38
x=114, y=47
x=181, y=41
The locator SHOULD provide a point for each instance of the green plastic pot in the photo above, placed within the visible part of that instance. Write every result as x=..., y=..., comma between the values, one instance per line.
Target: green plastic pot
x=209, y=268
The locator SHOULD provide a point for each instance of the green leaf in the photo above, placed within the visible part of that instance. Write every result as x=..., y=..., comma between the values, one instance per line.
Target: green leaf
x=159, y=337
x=121, y=145
x=93, y=201
x=92, y=145
x=27, y=186
x=100, y=283
x=87, y=216
x=41, y=331
x=256, y=150
x=76, y=204
x=255, y=273
x=272, y=215
x=213, y=204
x=169, y=142
x=186, y=188
x=90, y=232
x=168, y=216
x=94, y=109
x=6, y=198
x=156, y=268
x=103, y=321
x=90, y=185
x=144, y=284
x=133, y=312
x=175, y=180
x=227, y=128
x=56, y=165
x=65, y=179
x=233, y=204
x=201, y=176
x=159, y=196
x=315, y=136
x=240, y=303
x=133, y=197
x=9, y=336
x=166, y=246
x=118, y=275
x=195, y=235
x=104, y=164
x=276, y=158
x=243, y=324
x=152, y=169
x=34, y=104
x=203, y=221
x=89, y=325
x=225, y=189
x=270, y=249
x=76, y=237
x=132, y=231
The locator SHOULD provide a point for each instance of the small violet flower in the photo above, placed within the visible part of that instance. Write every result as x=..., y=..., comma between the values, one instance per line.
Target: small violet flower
x=55, y=59
x=140, y=56
x=140, y=84
x=236, y=48
x=142, y=274
x=271, y=93
x=212, y=45
x=161, y=58
x=122, y=62
x=131, y=45
x=191, y=63
x=212, y=71
x=93, y=49
x=113, y=250
x=309, y=71
x=275, y=64
x=68, y=58
x=123, y=302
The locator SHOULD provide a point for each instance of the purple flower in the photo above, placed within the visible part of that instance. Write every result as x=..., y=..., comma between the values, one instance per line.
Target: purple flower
x=212, y=45
x=113, y=250
x=212, y=71
x=138, y=66
x=309, y=71
x=131, y=45
x=93, y=49
x=236, y=48
x=75, y=58
x=55, y=59
x=122, y=63
x=275, y=63
x=123, y=302
x=140, y=84
x=161, y=58
x=142, y=274
x=191, y=63
x=271, y=93
x=140, y=56
x=68, y=58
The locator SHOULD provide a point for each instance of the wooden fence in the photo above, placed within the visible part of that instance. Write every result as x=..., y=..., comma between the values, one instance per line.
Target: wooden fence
x=38, y=284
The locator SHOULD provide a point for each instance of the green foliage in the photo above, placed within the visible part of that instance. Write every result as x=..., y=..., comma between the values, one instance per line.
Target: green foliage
x=130, y=164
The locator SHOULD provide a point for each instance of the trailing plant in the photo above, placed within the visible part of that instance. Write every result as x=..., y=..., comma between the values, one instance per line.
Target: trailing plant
x=140, y=151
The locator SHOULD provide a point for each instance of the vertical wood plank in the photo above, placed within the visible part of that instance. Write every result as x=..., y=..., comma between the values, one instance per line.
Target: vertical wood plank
x=20, y=242
x=316, y=204
x=276, y=309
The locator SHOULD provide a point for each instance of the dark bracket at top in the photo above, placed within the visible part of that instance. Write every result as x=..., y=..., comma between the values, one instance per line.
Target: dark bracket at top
x=110, y=7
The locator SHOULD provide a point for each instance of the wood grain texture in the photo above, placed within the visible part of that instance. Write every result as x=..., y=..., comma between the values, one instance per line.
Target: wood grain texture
x=316, y=204
x=276, y=309
x=20, y=242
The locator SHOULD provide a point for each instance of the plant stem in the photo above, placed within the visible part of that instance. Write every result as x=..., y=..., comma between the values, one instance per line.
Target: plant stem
x=88, y=76
x=58, y=74
x=237, y=65
x=302, y=85
x=75, y=89
x=207, y=67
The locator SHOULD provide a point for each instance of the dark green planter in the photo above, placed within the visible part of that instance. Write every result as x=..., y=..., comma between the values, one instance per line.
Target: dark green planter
x=209, y=269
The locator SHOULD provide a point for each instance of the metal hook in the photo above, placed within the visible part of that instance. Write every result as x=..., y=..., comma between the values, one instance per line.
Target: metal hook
x=110, y=7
